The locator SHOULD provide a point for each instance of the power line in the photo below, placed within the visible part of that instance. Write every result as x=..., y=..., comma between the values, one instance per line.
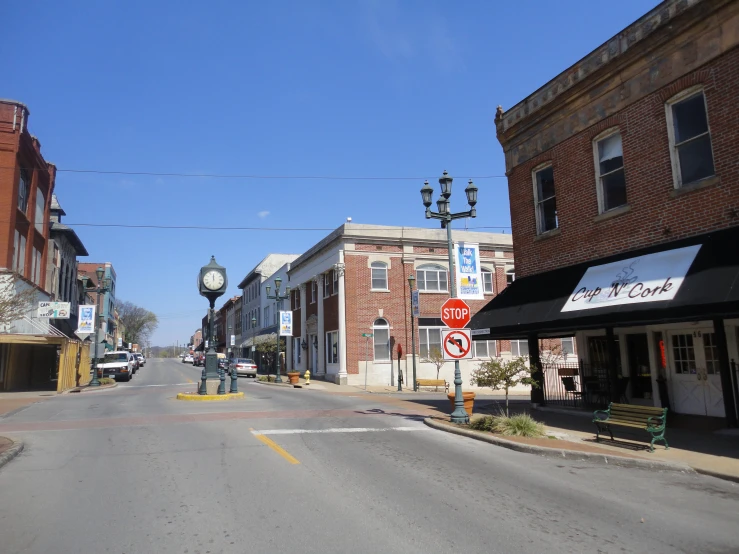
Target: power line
x=247, y=176
x=209, y=228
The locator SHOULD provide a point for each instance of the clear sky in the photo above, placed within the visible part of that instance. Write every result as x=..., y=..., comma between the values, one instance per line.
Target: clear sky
x=377, y=88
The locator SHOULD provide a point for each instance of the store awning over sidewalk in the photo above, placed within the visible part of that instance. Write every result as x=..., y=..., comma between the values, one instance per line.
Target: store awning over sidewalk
x=686, y=280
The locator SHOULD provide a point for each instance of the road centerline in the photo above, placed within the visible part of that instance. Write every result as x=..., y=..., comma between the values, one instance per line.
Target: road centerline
x=276, y=447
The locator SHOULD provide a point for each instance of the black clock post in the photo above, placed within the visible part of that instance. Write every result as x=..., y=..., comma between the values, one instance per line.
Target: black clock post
x=212, y=283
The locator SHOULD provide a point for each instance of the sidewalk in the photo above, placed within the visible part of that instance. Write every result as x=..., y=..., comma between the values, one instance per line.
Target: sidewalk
x=13, y=401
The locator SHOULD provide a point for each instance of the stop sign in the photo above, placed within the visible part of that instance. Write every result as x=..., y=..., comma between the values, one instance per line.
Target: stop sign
x=455, y=313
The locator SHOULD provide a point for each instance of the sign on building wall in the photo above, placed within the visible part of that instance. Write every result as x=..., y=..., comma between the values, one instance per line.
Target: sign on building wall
x=648, y=278
x=286, y=324
x=120, y=342
x=86, y=319
x=468, y=274
x=54, y=310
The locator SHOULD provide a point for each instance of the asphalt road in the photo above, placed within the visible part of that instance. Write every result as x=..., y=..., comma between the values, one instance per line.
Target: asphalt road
x=132, y=470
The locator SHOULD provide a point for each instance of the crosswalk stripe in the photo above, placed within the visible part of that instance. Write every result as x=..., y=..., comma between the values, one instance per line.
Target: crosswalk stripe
x=335, y=430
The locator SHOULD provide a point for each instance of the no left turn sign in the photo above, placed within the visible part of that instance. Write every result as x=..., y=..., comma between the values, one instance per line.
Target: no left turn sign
x=456, y=343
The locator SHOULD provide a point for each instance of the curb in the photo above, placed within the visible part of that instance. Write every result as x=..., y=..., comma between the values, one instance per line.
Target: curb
x=562, y=452
x=11, y=452
x=88, y=389
x=195, y=397
x=283, y=384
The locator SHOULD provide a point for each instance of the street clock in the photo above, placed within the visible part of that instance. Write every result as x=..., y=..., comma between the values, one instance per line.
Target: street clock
x=212, y=280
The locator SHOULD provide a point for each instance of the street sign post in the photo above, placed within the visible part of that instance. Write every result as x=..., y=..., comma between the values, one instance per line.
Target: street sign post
x=456, y=344
x=455, y=313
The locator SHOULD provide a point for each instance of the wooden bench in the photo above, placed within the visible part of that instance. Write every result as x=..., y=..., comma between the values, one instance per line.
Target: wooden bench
x=652, y=420
x=432, y=383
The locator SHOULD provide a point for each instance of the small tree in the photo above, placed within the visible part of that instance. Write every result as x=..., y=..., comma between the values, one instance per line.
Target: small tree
x=14, y=303
x=266, y=346
x=436, y=358
x=500, y=375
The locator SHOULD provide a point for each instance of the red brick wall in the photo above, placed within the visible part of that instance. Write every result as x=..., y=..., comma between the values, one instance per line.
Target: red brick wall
x=363, y=305
x=656, y=213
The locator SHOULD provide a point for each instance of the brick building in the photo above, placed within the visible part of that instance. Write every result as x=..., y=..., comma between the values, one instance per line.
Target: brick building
x=355, y=282
x=624, y=195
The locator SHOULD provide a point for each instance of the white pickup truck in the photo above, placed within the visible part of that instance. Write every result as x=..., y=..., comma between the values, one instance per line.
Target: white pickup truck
x=117, y=365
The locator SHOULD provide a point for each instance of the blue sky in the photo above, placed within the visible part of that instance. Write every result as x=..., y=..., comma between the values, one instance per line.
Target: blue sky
x=293, y=88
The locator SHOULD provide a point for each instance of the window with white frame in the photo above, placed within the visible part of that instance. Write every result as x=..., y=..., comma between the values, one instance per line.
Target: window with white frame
x=487, y=280
x=296, y=350
x=429, y=339
x=332, y=347
x=266, y=316
x=484, y=348
x=379, y=275
x=40, y=205
x=568, y=346
x=609, y=168
x=520, y=347
x=381, y=337
x=545, y=199
x=327, y=285
x=690, y=138
x=432, y=278
x=24, y=188
x=336, y=281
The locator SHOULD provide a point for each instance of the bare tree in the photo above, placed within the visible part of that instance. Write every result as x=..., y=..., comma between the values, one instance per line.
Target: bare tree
x=139, y=323
x=436, y=358
x=14, y=303
x=266, y=346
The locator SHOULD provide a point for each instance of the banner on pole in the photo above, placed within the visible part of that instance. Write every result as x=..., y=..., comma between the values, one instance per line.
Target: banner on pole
x=415, y=304
x=468, y=274
x=86, y=320
x=286, y=324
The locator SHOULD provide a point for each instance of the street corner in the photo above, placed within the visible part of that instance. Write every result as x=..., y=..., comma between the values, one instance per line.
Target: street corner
x=195, y=397
x=9, y=449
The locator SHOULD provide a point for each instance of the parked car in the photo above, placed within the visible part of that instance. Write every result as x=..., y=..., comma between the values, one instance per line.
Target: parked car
x=135, y=361
x=140, y=358
x=187, y=359
x=222, y=361
x=244, y=366
x=119, y=365
x=198, y=359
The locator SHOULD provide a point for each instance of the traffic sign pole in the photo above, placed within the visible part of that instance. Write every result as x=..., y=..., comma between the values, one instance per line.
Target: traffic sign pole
x=459, y=415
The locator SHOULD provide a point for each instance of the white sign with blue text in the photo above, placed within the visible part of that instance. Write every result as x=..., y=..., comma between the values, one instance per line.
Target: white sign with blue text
x=286, y=324
x=86, y=319
x=469, y=274
x=648, y=278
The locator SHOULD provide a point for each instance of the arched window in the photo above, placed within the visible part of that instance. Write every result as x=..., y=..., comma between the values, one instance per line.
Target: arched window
x=488, y=277
x=381, y=332
x=379, y=275
x=432, y=278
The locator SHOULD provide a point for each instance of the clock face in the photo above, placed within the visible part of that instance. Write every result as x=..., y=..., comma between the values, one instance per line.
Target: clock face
x=213, y=280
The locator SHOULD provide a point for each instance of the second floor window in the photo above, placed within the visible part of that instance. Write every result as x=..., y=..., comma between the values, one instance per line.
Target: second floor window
x=24, y=186
x=432, y=278
x=610, y=170
x=487, y=281
x=379, y=276
x=327, y=285
x=40, y=205
x=546, y=201
x=690, y=139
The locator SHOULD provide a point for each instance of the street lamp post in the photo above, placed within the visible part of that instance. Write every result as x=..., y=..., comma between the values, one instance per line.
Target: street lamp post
x=279, y=298
x=103, y=285
x=254, y=339
x=411, y=282
x=459, y=415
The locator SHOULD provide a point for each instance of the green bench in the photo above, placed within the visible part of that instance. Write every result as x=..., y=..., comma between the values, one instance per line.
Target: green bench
x=432, y=383
x=652, y=420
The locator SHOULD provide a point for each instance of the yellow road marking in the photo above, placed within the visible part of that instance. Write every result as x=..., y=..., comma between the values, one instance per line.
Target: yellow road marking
x=277, y=448
x=189, y=380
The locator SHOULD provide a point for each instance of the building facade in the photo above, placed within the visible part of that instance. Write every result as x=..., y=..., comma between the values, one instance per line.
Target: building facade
x=62, y=279
x=351, y=302
x=624, y=195
x=254, y=303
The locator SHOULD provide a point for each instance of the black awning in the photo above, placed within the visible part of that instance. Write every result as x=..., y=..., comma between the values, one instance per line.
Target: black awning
x=535, y=303
x=200, y=347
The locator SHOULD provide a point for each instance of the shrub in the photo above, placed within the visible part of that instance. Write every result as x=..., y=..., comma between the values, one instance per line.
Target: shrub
x=262, y=378
x=106, y=381
x=520, y=425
